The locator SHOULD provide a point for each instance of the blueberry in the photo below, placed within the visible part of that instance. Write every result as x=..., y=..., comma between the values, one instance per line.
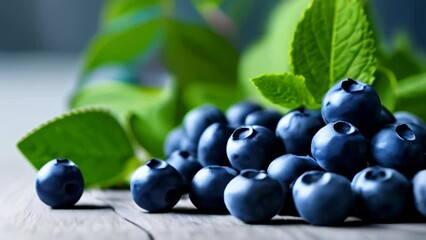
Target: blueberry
x=354, y=102
x=212, y=145
x=187, y=145
x=340, y=148
x=287, y=168
x=207, y=188
x=237, y=113
x=386, y=117
x=156, y=186
x=198, y=119
x=419, y=190
x=396, y=146
x=59, y=183
x=253, y=196
x=323, y=198
x=382, y=194
x=268, y=118
x=297, y=128
x=186, y=164
x=406, y=117
x=173, y=140
x=252, y=147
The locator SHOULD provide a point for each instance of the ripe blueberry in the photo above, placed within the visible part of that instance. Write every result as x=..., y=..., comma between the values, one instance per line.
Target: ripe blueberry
x=382, y=194
x=406, y=117
x=396, y=146
x=297, y=128
x=59, y=183
x=252, y=147
x=340, y=148
x=186, y=164
x=268, y=118
x=173, y=140
x=323, y=198
x=212, y=145
x=253, y=196
x=207, y=188
x=198, y=119
x=419, y=190
x=156, y=186
x=237, y=113
x=354, y=102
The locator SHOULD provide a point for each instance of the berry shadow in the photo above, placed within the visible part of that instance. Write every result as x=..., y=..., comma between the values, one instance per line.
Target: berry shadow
x=85, y=207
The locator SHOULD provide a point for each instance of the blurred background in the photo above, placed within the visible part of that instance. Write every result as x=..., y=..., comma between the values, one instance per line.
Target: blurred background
x=41, y=43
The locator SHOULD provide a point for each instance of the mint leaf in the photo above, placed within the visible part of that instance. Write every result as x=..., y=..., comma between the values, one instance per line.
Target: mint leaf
x=385, y=84
x=271, y=53
x=286, y=89
x=411, y=95
x=92, y=138
x=333, y=41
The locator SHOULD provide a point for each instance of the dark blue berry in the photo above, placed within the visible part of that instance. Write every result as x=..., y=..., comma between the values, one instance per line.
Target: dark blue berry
x=59, y=183
x=212, y=145
x=406, y=117
x=396, y=146
x=268, y=118
x=186, y=164
x=208, y=186
x=340, y=148
x=297, y=128
x=354, y=102
x=156, y=186
x=419, y=190
x=382, y=194
x=323, y=198
x=253, y=196
x=252, y=147
x=237, y=113
x=173, y=140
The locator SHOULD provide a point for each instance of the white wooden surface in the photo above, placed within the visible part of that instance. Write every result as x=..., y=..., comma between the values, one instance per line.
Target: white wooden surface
x=34, y=89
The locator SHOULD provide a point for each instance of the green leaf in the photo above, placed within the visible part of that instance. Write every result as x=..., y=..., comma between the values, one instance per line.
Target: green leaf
x=114, y=9
x=194, y=53
x=287, y=90
x=128, y=39
x=411, y=95
x=271, y=53
x=385, y=84
x=333, y=41
x=92, y=138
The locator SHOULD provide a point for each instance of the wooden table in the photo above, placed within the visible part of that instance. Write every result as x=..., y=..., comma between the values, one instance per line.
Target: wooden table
x=32, y=90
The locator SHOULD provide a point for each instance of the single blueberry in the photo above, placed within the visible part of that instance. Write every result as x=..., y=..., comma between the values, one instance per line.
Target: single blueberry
x=323, y=198
x=173, y=140
x=156, y=186
x=252, y=147
x=354, y=102
x=212, y=145
x=268, y=118
x=340, y=148
x=237, y=113
x=396, y=146
x=406, y=117
x=297, y=128
x=253, y=196
x=59, y=183
x=186, y=164
x=208, y=186
x=382, y=194
x=198, y=119
x=419, y=190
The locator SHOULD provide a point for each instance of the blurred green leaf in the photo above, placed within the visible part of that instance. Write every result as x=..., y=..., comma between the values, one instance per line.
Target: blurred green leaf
x=196, y=54
x=411, y=95
x=287, y=90
x=114, y=9
x=271, y=53
x=127, y=39
x=92, y=138
x=385, y=84
x=333, y=41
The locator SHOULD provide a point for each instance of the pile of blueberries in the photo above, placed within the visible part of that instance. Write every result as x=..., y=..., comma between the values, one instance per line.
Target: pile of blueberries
x=351, y=158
